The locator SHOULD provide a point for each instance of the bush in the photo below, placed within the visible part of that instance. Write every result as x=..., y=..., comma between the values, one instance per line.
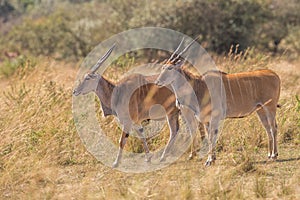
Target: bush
x=9, y=67
x=51, y=36
x=221, y=23
x=68, y=34
x=292, y=40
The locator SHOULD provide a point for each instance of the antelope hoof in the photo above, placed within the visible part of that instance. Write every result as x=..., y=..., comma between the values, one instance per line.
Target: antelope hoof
x=115, y=164
x=274, y=156
x=162, y=159
x=191, y=156
x=208, y=163
x=148, y=158
x=210, y=160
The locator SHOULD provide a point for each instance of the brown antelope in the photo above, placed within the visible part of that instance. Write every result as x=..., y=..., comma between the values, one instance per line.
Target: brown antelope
x=247, y=92
x=131, y=114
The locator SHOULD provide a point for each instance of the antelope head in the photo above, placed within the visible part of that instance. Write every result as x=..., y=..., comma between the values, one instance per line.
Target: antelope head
x=91, y=79
x=172, y=66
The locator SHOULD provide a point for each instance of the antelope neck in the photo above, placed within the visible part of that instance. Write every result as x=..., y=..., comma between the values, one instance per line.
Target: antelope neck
x=104, y=91
x=184, y=91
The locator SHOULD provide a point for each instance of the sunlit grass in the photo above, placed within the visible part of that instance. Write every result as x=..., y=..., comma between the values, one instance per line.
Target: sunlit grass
x=41, y=154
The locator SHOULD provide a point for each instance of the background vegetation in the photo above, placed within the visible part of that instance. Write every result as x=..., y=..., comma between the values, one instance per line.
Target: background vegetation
x=70, y=29
x=42, y=43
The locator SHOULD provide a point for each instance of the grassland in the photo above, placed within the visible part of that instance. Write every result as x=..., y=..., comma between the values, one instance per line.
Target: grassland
x=42, y=156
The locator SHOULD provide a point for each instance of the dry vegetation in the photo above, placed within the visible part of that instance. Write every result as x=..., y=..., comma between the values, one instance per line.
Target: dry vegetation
x=41, y=154
x=42, y=157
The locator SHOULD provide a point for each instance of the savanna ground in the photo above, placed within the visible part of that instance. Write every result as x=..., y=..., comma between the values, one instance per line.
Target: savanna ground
x=42, y=156
x=41, y=45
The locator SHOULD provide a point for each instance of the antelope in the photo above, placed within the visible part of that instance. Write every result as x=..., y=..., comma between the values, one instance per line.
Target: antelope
x=133, y=113
x=247, y=92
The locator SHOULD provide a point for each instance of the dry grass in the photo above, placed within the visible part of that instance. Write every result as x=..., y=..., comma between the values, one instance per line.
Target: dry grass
x=41, y=155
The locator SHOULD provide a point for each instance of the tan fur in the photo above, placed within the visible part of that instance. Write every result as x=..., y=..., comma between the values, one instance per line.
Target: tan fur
x=246, y=93
x=133, y=100
x=140, y=103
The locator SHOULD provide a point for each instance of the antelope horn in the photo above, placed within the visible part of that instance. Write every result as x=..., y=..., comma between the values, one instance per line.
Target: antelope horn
x=101, y=60
x=172, y=56
x=184, y=50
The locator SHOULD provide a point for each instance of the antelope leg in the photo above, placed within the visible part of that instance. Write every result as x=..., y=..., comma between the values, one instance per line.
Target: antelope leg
x=140, y=132
x=173, y=126
x=122, y=143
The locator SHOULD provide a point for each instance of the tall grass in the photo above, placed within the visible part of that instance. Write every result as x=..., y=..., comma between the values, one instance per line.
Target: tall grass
x=42, y=155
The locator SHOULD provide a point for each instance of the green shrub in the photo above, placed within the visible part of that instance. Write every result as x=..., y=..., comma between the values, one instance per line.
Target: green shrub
x=60, y=31
x=49, y=36
x=8, y=67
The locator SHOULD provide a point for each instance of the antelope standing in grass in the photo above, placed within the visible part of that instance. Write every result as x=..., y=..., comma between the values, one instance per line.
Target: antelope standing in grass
x=131, y=115
x=247, y=92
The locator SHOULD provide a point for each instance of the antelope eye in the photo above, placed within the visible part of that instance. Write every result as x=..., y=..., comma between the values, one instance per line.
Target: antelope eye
x=169, y=68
